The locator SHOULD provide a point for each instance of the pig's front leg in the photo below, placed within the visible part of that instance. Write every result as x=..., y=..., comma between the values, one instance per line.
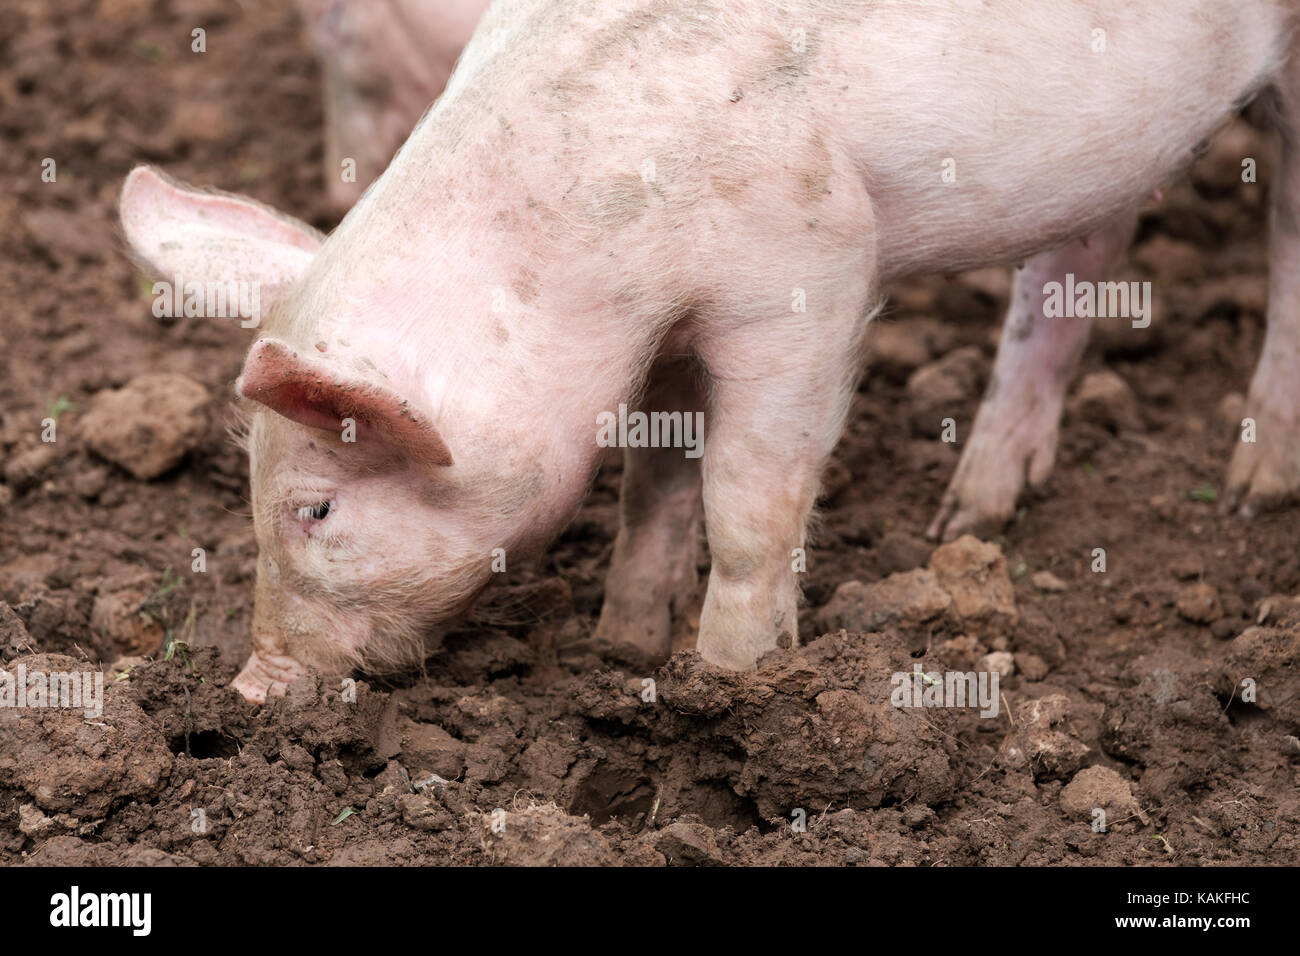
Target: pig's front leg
x=1266, y=472
x=778, y=399
x=1013, y=441
x=652, y=577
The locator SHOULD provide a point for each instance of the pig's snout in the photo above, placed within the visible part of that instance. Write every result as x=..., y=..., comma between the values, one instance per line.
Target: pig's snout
x=267, y=675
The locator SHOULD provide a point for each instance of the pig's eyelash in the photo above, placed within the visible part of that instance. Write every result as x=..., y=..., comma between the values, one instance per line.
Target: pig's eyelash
x=316, y=512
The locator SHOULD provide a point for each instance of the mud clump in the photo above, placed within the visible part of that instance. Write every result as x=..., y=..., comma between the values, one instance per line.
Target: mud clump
x=1101, y=788
x=1261, y=668
x=816, y=728
x=149, y=425
x=75, y=760
x=1169, y=722
x=541, y=836
x=1045, y=741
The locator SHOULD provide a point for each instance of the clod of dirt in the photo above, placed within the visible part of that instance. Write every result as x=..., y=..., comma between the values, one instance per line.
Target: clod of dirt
x=944, y=389
x=1105, y=399
x=149, y=425
x=1169, y=721
x=1266, y=657
x=117, y=615
x=1231, y=411
x=427, y=749
x=1278, y=609
x=961, y=651
x=1199, y=603
x=1101, y=788
x=974, y=573
x=1035, y=633
x=68, y=762
x=688, y=844
x=354, y=724
x=1045, y=742
x=804, y=738
x=25, y=468
x=14, y=639
x=909, y=599
x=1031, y=666
x=542, y=835
x=1187, y=567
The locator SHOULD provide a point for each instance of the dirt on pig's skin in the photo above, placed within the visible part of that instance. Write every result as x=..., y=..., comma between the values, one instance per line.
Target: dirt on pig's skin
x=1175, y=668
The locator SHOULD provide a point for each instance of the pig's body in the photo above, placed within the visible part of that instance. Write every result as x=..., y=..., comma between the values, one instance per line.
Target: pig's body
x=631, y=199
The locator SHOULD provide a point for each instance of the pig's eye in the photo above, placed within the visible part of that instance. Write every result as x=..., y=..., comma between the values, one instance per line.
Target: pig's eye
x=315, y=512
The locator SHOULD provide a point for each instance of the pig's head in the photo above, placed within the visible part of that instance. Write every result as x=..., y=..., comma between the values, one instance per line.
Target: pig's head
x=363, y=551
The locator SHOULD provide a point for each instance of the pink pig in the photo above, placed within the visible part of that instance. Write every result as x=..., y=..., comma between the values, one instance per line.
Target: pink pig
x=693, y=205
x=384, y=62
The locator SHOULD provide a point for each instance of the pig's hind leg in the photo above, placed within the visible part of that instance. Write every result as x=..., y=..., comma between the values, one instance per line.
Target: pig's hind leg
x=1266, y=472
x=1013, y=441
x=653, y=578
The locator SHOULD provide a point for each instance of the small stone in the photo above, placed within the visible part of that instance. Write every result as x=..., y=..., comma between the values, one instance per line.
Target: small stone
x=1232, y=409
x=1189, y=567
x=1000, y=661
x=688, y=844
x=1033, y=667
x=1047, y=581
x=1199, y=603
x=27, y=467
x=1105, y=399
x=91, y=482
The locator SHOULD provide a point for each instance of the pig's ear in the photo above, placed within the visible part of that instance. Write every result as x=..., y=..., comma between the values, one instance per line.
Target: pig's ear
x=319, y=395
x=211, y=236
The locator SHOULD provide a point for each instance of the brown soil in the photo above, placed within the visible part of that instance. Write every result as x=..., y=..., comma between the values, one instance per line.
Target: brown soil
x=1137, y=670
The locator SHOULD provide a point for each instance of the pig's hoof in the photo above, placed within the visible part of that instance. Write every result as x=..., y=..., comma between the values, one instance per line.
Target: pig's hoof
x=1263, y=474
x=982, y=518
x=993, y=471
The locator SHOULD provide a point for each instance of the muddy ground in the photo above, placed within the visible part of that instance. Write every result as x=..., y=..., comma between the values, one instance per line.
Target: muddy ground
x=1135, y=672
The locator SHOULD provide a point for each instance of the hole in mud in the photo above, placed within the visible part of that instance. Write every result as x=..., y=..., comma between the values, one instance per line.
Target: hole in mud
x=610, y=792
x=205, y=745
x=1242, y=712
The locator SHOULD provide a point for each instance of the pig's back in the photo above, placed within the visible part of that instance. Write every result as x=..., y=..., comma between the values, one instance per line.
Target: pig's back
x=1047, y=136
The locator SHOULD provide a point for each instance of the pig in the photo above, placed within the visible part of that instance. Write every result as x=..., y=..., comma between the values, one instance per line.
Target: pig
x=384, y=62
x=687, y=205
